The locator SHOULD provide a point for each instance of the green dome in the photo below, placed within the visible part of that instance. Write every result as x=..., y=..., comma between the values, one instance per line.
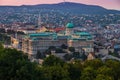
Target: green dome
x=70, y=25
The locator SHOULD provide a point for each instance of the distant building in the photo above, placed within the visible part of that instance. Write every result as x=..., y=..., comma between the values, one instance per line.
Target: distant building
x=91, y=56
x=15, y=42
x=116, y=48
x=41, y=41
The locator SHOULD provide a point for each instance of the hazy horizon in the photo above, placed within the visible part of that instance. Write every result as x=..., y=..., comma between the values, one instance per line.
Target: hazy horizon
x=109, y=4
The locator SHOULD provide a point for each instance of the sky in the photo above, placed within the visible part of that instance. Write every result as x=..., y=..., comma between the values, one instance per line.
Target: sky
x=109, y=4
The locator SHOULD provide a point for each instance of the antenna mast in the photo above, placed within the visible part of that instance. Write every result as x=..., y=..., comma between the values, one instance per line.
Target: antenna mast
x=64, y=1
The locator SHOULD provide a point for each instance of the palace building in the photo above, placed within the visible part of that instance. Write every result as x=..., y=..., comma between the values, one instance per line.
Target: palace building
x=41, y=41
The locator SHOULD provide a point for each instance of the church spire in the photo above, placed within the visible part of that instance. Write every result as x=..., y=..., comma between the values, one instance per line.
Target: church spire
x=39, y=20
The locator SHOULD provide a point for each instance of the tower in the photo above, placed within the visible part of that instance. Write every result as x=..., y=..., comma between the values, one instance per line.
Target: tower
x=69, y=29
x=39, y=20
x=16, y=37
x=64, y=1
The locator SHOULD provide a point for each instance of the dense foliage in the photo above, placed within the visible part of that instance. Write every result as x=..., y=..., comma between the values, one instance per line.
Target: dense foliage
x=14, y=65
x=4, y=38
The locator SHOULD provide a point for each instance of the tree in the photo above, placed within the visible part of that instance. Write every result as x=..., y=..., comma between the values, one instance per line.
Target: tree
x=56, y=72
x=63, y=46
x=95, y=64
x=76, y=54
x=39, y=73
x=114, y=54
x=59, y=50
x=103, y=77
x=88, y=73
x=106, y=71
x=52, y=60
x=114, y=65
x=14, y=65
x=5, y=39
x=48, y=51
x=67, y=57
x=21, y=33
x=2, y=30
x=1, y=46
x=83, y=56
x=72, y=49
x=39, y=55
x=75, y=70
x=52, y=48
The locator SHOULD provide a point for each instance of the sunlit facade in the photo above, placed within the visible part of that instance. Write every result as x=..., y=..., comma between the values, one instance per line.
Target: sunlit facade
x=43, y=40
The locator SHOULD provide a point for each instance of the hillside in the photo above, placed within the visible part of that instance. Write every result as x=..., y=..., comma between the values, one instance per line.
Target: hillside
x=75, y=8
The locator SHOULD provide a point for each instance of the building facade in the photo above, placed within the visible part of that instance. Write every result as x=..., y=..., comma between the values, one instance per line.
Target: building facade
x=41, y=41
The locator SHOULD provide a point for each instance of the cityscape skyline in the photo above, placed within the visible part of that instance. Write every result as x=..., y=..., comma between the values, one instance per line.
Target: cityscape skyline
x=109, y=4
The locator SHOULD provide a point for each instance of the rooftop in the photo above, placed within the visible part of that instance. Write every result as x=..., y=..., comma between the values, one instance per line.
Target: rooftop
x=38, y=34
x=70, y=25
x=83, y=33
x=42, y=34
